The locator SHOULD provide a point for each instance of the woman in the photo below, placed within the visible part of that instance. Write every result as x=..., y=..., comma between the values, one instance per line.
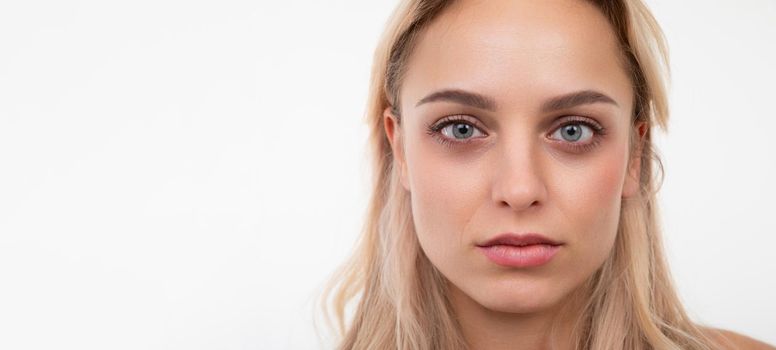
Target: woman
x=514, y=196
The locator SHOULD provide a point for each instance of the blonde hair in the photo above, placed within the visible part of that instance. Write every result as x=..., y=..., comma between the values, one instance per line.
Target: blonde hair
x=402, y=303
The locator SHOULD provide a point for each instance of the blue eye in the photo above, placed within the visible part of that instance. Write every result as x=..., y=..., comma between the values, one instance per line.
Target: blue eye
x=574, y=132
x=579, y=134
x=455, y=130
x=459, y=131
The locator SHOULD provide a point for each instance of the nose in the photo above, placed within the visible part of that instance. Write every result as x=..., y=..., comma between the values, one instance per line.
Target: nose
x=518, y=181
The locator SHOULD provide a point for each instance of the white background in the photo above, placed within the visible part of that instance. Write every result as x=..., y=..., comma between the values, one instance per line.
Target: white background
x=185, y=174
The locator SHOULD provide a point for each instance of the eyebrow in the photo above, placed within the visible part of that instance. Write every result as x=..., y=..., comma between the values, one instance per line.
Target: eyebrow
x=565, y=101
x=575, y=99
x=461, y=97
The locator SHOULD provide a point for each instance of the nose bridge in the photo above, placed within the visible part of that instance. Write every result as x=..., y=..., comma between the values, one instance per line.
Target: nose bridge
x=519, y=181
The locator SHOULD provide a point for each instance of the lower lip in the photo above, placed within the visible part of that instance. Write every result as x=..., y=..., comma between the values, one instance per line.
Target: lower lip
x=525, y=256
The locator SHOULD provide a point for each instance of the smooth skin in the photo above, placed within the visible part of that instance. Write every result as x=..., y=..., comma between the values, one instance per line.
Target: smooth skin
x=509, y=162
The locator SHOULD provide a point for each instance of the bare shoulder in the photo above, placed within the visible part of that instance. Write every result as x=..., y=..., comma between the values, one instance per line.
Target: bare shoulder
x=730, y=340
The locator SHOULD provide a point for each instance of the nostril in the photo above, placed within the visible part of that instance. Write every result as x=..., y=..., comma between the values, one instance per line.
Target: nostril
x=533, y=204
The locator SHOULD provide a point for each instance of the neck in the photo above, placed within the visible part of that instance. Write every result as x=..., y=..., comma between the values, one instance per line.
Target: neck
x=484, y=328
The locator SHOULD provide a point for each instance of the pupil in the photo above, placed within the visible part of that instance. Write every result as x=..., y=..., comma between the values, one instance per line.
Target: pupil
x=572, y=131
x=462, y=130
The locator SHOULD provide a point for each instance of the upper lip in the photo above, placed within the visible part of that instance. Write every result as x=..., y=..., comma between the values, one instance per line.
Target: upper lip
x=519, y=240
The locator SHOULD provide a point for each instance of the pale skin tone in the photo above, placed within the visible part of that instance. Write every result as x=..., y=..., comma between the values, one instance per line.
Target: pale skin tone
x=517, y=158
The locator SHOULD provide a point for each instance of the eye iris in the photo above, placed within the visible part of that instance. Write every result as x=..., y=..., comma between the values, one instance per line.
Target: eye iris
x=571, y=132
x=462, y=130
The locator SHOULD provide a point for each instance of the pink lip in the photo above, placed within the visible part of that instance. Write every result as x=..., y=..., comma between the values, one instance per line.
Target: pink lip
x=524, y=250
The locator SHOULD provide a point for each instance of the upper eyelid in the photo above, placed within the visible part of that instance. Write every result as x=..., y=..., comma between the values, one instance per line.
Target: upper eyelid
x=578, y=119
x=457, y=118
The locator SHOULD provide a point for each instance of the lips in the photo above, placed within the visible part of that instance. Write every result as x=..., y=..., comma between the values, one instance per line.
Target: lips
x=519, y=240
x=526, y=250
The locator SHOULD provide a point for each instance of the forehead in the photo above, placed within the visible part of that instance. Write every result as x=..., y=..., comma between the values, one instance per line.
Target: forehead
x=519, y=52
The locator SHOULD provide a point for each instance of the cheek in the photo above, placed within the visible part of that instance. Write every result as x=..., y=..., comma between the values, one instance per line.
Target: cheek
x=592, y=187
x=589, y=198
x=445, y=195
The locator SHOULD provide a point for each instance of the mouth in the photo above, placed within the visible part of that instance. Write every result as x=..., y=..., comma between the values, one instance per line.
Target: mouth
x=519, y=240
x=520, y=250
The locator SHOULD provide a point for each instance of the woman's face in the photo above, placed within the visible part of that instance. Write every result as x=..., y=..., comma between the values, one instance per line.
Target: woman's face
x=515, y=119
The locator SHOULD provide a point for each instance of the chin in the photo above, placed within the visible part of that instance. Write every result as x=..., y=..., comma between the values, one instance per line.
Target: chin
x=516, y=304
x=519, y=297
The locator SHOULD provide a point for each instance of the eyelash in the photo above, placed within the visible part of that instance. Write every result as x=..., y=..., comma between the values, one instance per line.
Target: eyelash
x=598, y=132
x=435, y=130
